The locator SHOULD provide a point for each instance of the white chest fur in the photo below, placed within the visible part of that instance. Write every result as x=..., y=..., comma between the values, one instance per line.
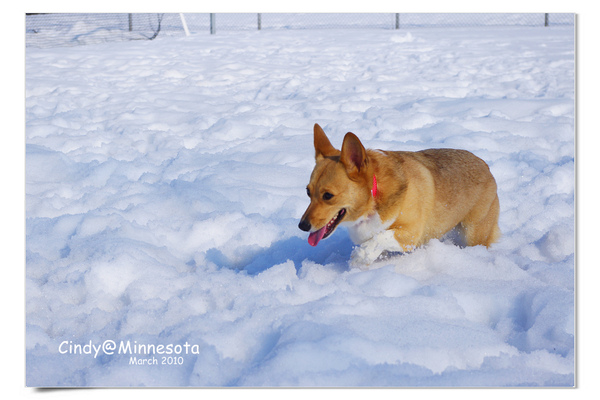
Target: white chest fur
x=365, y=228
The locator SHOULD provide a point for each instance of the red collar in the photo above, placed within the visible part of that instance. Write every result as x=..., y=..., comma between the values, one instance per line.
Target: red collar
x=374, y=189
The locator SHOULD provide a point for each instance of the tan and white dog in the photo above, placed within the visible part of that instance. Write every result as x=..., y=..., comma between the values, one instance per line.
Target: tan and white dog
x=398, y=200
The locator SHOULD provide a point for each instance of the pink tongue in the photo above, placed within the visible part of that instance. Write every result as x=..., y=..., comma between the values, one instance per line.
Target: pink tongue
x=315, y=237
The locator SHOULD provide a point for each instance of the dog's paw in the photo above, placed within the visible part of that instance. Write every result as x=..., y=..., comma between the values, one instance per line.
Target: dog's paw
x=360, y=259
x=365, y=255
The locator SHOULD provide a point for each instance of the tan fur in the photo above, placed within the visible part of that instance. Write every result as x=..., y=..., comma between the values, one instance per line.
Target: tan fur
x=420, y=195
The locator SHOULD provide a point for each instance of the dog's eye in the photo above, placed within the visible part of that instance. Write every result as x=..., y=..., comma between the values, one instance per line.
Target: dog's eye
x=308, y=192
x=327, y=196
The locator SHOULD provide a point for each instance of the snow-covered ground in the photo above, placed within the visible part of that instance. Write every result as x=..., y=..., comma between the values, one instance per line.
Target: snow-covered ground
x=165, y=180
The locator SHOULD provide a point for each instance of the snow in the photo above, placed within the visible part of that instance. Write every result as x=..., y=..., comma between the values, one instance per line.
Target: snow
x=165, y=180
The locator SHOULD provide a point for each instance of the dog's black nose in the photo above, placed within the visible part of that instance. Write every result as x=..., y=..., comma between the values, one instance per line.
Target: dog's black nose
x=304, y=225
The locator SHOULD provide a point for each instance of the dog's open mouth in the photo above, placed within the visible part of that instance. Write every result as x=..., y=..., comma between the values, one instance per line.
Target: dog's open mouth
x=315, y=237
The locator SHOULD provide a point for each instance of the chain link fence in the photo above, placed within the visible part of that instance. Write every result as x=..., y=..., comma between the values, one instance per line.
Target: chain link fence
x=50, y=30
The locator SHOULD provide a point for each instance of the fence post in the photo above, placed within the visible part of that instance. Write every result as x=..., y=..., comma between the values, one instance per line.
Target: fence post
x=213, y=27
x=546, y=19
x=259, y=21
x=185, y=27
x=397, y=20
x=130, y=22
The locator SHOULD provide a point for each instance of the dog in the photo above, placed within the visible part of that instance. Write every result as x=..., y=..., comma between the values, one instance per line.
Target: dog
x=396, y=201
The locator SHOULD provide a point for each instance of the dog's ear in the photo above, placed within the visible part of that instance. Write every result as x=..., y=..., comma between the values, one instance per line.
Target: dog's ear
x=323, y=147
x=354, y=155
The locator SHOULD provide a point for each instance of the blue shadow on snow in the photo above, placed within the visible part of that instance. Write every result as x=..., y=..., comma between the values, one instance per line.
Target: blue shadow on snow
x=335, y=249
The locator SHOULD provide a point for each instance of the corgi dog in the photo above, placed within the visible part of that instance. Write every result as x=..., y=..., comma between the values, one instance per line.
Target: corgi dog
x=398, y=200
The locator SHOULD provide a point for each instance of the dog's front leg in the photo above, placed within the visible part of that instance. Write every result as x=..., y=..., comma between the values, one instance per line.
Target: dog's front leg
x=368, y=252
